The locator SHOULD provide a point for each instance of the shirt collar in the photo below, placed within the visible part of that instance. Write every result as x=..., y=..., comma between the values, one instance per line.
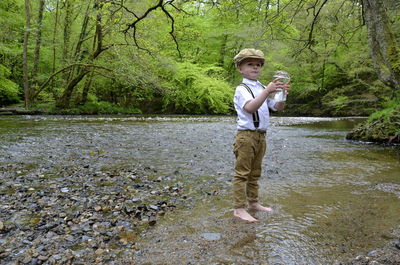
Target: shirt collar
x=251, y=82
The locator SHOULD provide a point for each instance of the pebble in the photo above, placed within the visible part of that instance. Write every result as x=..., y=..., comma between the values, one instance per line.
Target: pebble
x=27, y=259
x=211, y=236
x=153, y=207
x=99, y=251
x=397, y=245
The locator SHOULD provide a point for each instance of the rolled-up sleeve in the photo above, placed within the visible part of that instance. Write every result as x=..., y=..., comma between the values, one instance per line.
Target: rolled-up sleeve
x=242, y=96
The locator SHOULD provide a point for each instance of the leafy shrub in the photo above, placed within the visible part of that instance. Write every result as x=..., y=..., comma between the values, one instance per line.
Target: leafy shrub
x=8, y=89
x=391, y=110
x=198, y=90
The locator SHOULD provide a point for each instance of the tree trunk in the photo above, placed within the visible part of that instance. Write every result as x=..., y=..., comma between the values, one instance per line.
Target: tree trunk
x=27, y=93
x=222, y=52
x=97, y=50
x=66, y=97
x=385, y=51
x=267, y=6
x=67, y=39
x=83, y=34
x=86, y=87
x=80, y=55
x=54, y=39
x=38, y=39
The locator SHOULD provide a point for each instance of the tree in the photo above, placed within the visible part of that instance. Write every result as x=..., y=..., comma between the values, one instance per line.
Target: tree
x=384, y=48
x=38, y=42
x=27, y=89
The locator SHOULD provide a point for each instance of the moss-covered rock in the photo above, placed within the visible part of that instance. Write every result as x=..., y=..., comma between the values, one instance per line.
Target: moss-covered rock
x=381, y=127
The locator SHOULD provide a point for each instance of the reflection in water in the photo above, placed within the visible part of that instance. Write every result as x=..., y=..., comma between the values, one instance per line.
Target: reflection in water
x=332, y=198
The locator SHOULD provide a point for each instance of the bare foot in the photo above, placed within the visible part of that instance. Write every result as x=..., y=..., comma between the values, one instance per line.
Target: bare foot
x=241, y=213
x=259, y=207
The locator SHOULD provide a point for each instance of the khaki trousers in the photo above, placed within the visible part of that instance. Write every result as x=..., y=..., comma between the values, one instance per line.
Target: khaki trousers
x=249, y=148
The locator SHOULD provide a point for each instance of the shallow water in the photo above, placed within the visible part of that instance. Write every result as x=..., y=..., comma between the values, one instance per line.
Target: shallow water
x=332, y=198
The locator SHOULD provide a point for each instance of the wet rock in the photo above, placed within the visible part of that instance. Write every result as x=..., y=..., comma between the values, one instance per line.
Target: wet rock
x=211, y=236
x=161, y=213
x=48, y=226
x=129, y=209
x=397, y=245
x=26, y=259
x=153, y=207
x=136, y=200
x=373, y=253
x=152, y=221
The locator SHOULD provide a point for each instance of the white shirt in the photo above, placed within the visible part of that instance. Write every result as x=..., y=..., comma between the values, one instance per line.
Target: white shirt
x=242, y=96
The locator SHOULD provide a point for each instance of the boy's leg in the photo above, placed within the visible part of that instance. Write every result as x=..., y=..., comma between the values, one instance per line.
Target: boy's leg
x=244, y=153
x=257, y=206
x=252, y=184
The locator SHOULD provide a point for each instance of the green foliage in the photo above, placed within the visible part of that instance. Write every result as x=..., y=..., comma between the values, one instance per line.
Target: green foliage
x=198, y=90
x=331, y=71
x=340, y=101
x=11, y=39
x=391, y=107
x=9, y=90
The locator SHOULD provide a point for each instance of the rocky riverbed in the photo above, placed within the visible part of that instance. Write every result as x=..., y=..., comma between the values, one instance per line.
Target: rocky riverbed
x=79, y=216
x=98, y=191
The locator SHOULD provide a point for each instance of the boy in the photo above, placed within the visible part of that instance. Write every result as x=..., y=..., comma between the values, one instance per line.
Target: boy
x=252, y=106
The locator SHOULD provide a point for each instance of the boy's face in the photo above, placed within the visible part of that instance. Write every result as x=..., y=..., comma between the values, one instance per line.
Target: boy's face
x=250, y=68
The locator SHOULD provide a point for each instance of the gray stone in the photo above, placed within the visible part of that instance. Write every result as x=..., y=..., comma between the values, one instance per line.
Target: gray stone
x=211, y=236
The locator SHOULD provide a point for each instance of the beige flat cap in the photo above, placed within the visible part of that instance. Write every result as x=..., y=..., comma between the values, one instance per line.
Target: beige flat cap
x=248, y=53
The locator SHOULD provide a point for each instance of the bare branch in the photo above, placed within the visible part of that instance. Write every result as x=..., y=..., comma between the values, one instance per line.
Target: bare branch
x=172, y=29
x=121, y=5
x=138, y=19
x=310, y=40
x=42, y=86
x=310, y=35
x=162, y=6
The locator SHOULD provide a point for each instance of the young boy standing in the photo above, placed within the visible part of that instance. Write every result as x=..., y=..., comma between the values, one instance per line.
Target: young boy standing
x=252, y=106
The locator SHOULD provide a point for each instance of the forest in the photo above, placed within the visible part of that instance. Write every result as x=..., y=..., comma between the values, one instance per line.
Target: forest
x=176, y=56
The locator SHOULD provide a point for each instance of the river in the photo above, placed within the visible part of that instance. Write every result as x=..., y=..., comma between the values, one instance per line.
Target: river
x=332, y=198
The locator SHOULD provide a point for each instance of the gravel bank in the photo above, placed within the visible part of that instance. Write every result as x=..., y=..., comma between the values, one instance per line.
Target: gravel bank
x=77, y=216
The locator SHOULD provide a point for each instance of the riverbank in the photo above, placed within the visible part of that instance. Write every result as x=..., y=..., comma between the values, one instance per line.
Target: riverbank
x=77, y=215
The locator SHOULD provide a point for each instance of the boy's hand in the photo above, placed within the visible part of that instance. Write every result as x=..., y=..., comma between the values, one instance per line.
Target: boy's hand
x=276, y=85
x=287, y=88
